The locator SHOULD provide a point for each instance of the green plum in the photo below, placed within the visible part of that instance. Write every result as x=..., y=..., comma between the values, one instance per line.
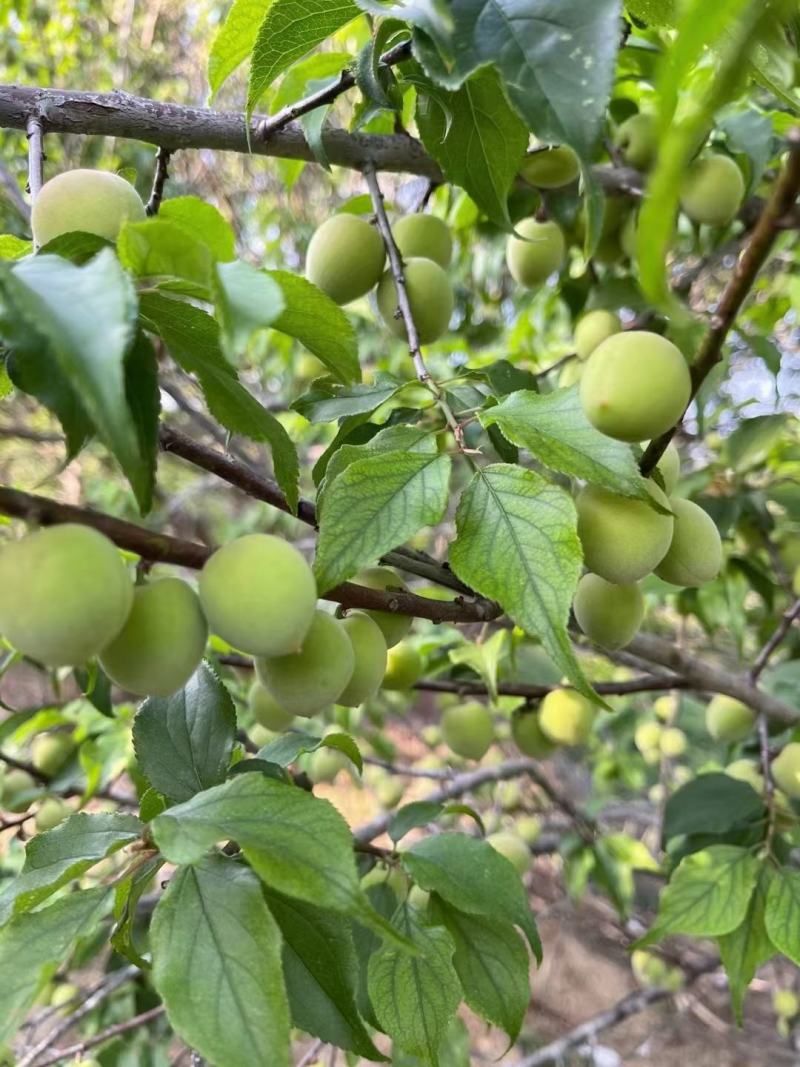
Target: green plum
x=92, y=201
x=430, y=297
x=623, y=539
x=566, y=717
x=608, y=614
x=345, y=257
x=265, y=709
x=712, y=190
x=370, y=652
x=728, y=719
x=694, y=556
x=467, y=729
x=424, y=236
x=536, y=253
x=593, y=328
x=404, y=667
x=394, y=627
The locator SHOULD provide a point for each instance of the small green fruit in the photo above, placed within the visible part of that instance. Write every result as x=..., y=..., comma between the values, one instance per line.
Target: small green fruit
x=529, y=828
x=467, y=729
x=51, y=812
x=259, y=595
x=550, y=167
x=608, y=614
x=663, y=708
x=389, y=792
x=635, y=386
x=160, y=646
x=50, y=752
x=429, y=294
x=712, y=190
x=92, y=201
x=623, y=539
x=66, y=594
x=786, y=770
x=266, y=710
x=418, y=897
x=669, y=467
x=566, y=717
x=18, y=791
x=592, y=329
x=529, y=737
x=695, y=552
x=404, y=667
x=508, y=795
x=305, y=682
x=324, y=764
x=511, y=846
x=393, y=877
x=345, y=257
x=394, y=627
x=424, y=236
x=637, y=140
x=431, y=735
x=728, y=719
x=786, y=1003
x=536, y=254
x=369, y=648
x=747, y=770
x=647, y=737
x=570, y=373
x=673, y=742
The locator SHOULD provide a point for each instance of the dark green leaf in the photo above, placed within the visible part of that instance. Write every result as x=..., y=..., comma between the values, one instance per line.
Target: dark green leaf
x=318, y=323
x=247, y=300
x=34, y=370
x=234, y=40
x=410, y=816
x=326, y=401
x=711, y=804
x=144, y=401
x=782, y=913
x=748, y=946
x=285, y=749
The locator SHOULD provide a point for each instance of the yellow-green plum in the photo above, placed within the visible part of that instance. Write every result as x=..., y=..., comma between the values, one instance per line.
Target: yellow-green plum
x=536, y=253
x=623, y=539
x=418, y=897
x=570, y=373
x=647, y=736
x=637, y=140
x=786, y=770
x=669, y=467
x=306, y=681
x=66, y=594
x=712, y=190
x=18, y=791
x=404, y=667
x=593, y=328
x=747, y=770
x=259, y=595
x=566, y=717
x=673, y=742
x=370, y=653
x=389, y=792
x=786, y=1003
x=425, y=236
x=608, y=614
x=394, y=627
x=467, y=729
x=431, y=735
x=345, y=257
x=92, y=201
x=508, y=795
x=266, y=710
x=511, y=845
x=325, y=763
x=635, y=386
x=51, y=812
x=728, y=719
x=695, y=552
x=430, y=297
x=160, y=646
x=529, y=828
x=393, y=877
x=50, y=752
x=664, y=708
x=550, y=167
x=529, y=737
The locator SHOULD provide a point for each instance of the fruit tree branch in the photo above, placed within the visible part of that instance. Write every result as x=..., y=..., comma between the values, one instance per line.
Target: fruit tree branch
x=35, y=134
x=644, y=684
x=78, y=1049
x=159, y=181
x=788, y=619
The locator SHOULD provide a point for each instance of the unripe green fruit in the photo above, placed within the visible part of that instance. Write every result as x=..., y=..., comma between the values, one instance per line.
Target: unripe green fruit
x=324, y=764
x=551, y=167
x=570, y=373
x=712, y=190
x=430, y=296
x=305, y=682
x=467, y=729
x=92, y=201
x=63, y=994
x=623, y=539
x=608, y=614
x=533, y=259
x=511, y=846
x=673, y=742
x=746, y=770
x=786, y=1003
x=431, y=735
x=529, y=828
x=52, y=811
x=669, y=467
x=259, y=595
x=592, y=329
x=66, y=594
x=369, y=648
x=266, y=710
x=393, y=877
x=418, y=897
x=160, y=646
x=637, y=140
x=647, y=736
x=345, y=257
x=636, y=385
x=49, y=752
x=529, y=737
x=786, y=770
x=728, y=719
x=389, y=792
x=508, y=795
x=17, y=791
x=695, y=552
x=424, y=236
x=404, y=667
x=663, y=708
x=393, y=627
x=566, y=717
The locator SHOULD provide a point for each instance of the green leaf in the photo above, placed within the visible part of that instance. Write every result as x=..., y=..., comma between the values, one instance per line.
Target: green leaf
x=234, y=40
x=476, y=138
x=707, y=895
x=748, y=946
x=517, y=543
x=12, y=247
x=33, y=369
x=192, y=337
x=473, y=877
x=158, y=248
x=782, y=913
x=752, y=441
x=483, y=658
x=321, y=974
x=247, y=300
x=217, y=965
x=377, y=503
x=415, y=997
x=184, y=743
x=290, y=29
x=711, y=804
x=492, y=964
x=77, y=246
x=317, y=322
x=326, y=401
x=203, y=222
x=144, y=401
x=35, y=944
x=285, y=749
x=410, y=816
x=554, y=428
x=127, y=894
x=56, y=856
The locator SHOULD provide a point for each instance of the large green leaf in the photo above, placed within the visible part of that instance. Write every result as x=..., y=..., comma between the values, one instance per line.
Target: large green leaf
x=184, y=742
x=217, y=965
x=326, y=401
x=247, y=300
x=711, y=804
x=57, y=856
x=377, y=503
x=554, y=428
x=476, y=138
x=318, y=323
x=782, y=913
x=203, y=221
x=234, y=40
x=518, y=543
x=748, y=946
x=160, y=249
x=285, y=748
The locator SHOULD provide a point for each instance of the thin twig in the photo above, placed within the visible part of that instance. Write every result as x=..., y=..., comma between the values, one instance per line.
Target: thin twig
x=310, y=1054
x=105, y=1035
x=163, y=156
x=762, y=659
x=646, y=684
x=35, y=133
x=14, y=195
